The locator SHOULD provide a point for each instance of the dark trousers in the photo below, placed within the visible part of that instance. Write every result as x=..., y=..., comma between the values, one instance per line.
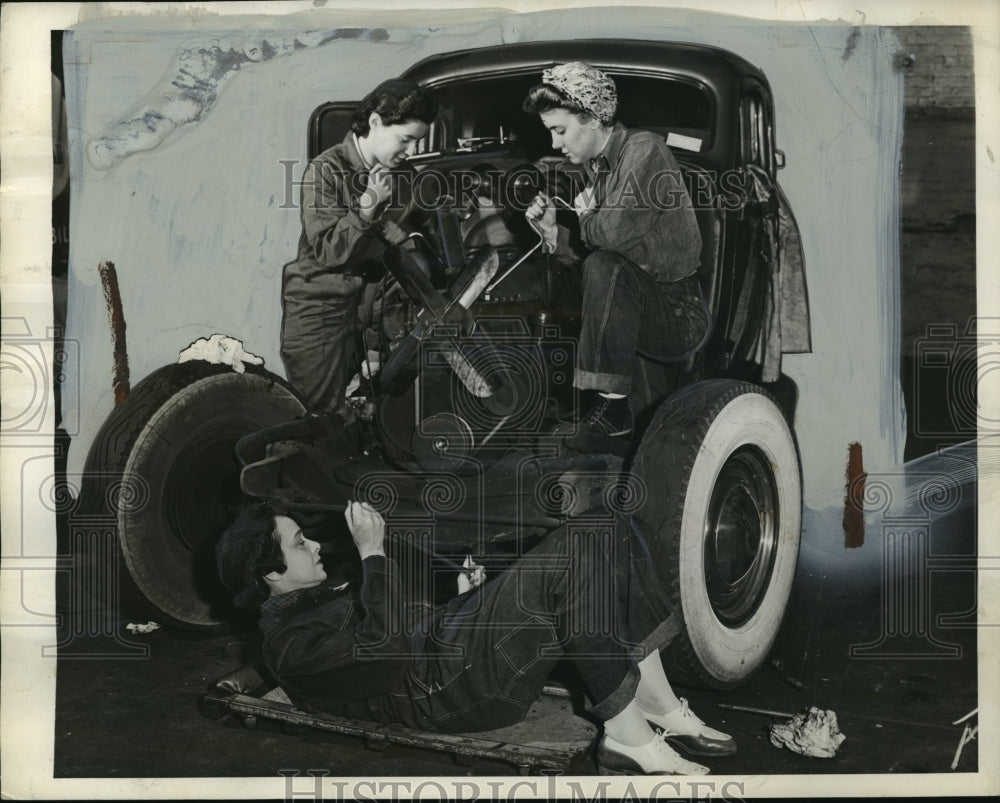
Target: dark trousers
x=319, y=336
x=588, y=592
x=626, y=311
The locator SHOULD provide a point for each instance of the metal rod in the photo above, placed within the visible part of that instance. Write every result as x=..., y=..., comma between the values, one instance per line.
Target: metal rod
x=541, y=241
x=506, y=273
x=750, y=709
x=493, y=431
x=972, y=713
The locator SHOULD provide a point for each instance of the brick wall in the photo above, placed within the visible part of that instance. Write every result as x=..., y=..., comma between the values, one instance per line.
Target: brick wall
x=938, y=183
x=938, y=180
x=941, y=75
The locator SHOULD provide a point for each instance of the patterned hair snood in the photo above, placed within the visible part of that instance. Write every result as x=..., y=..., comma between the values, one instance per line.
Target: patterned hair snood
x=586, y=86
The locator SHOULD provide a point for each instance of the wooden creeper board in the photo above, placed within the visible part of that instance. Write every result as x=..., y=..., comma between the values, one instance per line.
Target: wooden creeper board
x=549, y=737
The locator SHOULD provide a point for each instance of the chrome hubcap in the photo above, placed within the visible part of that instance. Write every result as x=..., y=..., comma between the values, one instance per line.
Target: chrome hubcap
x=741, y=533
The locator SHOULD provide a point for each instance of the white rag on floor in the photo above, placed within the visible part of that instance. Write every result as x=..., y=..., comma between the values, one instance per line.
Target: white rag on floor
x=814, y=733
x=149, y=627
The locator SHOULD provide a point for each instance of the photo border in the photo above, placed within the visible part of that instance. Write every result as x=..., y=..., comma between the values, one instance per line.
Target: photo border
x=27, y=706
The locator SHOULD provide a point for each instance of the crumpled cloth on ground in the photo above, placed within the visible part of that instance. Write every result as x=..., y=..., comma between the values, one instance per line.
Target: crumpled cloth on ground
x=220, y=350
x=814, y=733
x=149, y=627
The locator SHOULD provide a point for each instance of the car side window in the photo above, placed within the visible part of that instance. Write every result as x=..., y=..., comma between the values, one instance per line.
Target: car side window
x=328, y=125
x=756, y=131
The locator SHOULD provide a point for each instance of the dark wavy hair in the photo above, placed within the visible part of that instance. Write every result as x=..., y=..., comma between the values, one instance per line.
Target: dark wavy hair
x=545, y=98
x=396, y=101
x=246, y=551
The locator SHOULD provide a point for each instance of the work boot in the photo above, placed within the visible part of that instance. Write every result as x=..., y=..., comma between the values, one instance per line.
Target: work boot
x=606, y=427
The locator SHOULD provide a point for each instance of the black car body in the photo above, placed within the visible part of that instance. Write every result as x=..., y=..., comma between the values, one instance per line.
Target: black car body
x=717, y=113
x=476, y=341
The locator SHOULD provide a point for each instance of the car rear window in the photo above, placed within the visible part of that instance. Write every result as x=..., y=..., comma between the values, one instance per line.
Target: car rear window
x=479, y=111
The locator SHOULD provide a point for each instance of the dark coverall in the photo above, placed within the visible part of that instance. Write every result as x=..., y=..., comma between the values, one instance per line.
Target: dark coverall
x=587, y=592
x=326, y=300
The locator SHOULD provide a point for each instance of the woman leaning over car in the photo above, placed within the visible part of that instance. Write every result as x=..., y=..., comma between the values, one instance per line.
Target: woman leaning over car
x=353, y=195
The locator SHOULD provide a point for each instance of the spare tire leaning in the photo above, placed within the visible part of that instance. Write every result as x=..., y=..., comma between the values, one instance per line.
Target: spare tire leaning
x=163, y=464
x=722, y=515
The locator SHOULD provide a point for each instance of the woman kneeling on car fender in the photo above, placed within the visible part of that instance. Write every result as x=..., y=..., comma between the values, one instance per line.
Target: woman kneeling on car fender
x=640, y=284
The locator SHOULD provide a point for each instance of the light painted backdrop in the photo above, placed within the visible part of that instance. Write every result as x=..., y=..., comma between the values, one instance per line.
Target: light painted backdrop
x=197, y=230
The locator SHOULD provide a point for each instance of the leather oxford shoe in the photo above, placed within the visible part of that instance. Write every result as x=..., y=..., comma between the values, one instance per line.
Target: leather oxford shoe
x=655, y=757
x=683, y=730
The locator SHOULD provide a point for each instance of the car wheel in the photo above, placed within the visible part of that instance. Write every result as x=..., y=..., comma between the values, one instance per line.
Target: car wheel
x=163, y=464
x=722, y=516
